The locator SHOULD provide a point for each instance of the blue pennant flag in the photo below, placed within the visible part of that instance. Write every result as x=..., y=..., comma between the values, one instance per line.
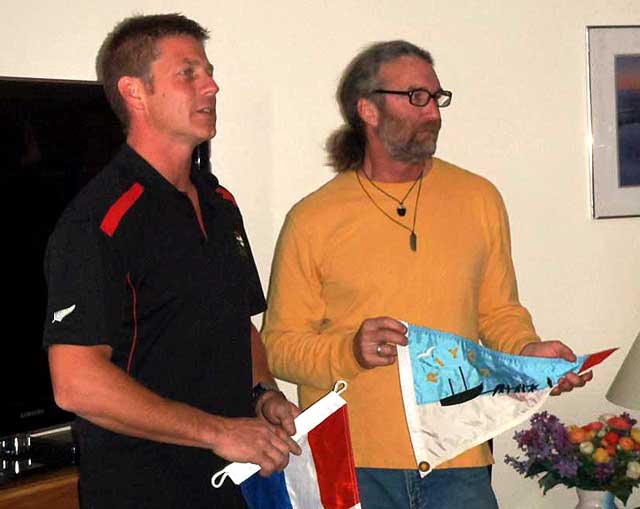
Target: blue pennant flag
x=458, y=394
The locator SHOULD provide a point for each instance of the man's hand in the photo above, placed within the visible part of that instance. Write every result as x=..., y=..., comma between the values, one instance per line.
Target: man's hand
x=277, y=410
x=558, y=349
x=375, y=343
x=253, y=440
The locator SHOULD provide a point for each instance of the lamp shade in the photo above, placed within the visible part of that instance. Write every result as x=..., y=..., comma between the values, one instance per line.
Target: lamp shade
x=625, y=389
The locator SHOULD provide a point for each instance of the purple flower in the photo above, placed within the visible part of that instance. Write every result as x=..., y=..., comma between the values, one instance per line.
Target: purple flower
x=520, y=466
x=561, y=440
x=604, y=470
x=546, y=437
x=566, y=466
x=546, y=449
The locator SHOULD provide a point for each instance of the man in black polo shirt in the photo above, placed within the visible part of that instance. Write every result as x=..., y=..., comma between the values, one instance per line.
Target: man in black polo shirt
x=151, y=288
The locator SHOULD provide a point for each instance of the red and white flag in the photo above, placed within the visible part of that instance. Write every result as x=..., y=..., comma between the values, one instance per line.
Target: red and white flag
x=324, y=476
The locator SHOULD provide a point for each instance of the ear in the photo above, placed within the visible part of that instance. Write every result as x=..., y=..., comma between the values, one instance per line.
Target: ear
x=131, y=89
x=369, y=112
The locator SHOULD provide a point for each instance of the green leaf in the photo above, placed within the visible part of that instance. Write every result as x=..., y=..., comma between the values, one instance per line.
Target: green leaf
x=549, y=481
x=535, y=469
x=623, y=493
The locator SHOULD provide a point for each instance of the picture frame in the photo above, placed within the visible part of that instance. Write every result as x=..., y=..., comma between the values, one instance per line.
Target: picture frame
x=614, y=120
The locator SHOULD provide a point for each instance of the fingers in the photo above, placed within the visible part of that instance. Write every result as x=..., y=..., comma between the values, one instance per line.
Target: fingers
x=276, y=457
x=292, y=446
x=253, y=440
x=564, y=351
x=384, y=327
x=388, y=323
x=281, y=412
x=571, y=380
x=562, y=386
x=382, y=352
x=549, y=349
x=558, y=349
x=387, y=350
x=288, y=425
x=375, y=343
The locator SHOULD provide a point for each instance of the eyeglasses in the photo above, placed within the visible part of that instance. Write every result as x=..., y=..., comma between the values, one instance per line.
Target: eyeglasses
x=421, y=96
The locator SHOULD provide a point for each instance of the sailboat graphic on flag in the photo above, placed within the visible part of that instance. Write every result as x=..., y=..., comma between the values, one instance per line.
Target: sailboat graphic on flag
x=458, y=394
x=323, y=476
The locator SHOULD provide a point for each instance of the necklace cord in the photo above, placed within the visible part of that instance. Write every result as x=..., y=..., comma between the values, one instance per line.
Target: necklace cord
x=412, y=237
x=399, y=202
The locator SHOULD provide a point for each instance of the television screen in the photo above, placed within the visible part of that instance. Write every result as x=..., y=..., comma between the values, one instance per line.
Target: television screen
x=54, y=136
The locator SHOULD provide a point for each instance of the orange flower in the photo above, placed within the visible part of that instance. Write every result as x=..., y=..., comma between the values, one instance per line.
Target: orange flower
x=601, y=455
x=612, y=443
x=626, y=443
x=619, y=423
x=577, y=434
x=591, y=434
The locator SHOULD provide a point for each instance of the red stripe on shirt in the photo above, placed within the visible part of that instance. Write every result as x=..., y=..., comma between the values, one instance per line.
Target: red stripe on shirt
x=134, y=340
x=226, y=195
x=117, y=211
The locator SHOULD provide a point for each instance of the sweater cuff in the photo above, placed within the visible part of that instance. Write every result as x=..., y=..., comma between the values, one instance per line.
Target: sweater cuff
x=519, y=344
x=347, y=361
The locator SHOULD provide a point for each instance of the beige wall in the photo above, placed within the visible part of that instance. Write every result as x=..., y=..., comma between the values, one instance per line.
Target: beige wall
x=519, y=117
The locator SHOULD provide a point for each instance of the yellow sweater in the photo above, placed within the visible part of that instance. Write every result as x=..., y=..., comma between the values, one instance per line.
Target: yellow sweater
x=339, y=260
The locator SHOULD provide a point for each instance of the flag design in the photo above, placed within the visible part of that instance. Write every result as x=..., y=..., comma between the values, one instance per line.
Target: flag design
x=458, y=394
x=322, y=477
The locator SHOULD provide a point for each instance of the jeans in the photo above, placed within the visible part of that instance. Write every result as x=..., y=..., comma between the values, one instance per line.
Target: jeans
x=449, y=488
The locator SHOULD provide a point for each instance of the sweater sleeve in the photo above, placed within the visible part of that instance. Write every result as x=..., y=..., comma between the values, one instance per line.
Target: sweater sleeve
x=505, y=324
x=299, y=348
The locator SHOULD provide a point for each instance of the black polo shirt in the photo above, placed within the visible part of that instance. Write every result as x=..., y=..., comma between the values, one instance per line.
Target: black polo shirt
x=129, y=266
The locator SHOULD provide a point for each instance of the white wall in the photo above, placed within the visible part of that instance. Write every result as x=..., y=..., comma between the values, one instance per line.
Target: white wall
x=519, y=117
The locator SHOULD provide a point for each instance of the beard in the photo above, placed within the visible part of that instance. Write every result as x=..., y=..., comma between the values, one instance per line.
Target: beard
x=407, y=143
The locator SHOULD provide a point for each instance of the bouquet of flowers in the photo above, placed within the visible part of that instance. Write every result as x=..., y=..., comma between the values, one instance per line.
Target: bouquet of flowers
x=603, y=455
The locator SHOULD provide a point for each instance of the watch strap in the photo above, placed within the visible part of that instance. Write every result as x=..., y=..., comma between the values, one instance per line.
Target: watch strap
x=261, y=388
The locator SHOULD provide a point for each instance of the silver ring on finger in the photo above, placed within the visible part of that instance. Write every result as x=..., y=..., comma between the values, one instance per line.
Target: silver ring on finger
x=379, y=350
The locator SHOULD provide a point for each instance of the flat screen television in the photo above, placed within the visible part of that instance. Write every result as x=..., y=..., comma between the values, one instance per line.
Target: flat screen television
x=55, y=135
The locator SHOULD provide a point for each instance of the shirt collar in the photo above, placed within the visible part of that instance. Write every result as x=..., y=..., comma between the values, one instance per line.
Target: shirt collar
x=134, y=164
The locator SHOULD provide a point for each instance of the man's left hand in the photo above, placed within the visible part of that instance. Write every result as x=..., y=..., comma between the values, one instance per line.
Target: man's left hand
x=277, y=410
x=558, y=349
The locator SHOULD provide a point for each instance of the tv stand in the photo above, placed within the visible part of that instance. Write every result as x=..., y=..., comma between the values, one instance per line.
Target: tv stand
x=38, y=471
x=53, y=489
x=25, y=455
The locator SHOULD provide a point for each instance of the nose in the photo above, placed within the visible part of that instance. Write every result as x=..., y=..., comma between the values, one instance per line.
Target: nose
x=210, y=86
x=432, y=110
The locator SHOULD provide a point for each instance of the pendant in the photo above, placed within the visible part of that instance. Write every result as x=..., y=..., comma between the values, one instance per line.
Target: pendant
x=413, y=241
x=401, y=210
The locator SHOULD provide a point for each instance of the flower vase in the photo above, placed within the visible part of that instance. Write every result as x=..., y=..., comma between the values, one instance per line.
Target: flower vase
x=588, y=499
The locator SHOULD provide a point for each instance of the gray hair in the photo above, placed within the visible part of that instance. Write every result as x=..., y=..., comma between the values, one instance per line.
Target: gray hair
x=345, y=146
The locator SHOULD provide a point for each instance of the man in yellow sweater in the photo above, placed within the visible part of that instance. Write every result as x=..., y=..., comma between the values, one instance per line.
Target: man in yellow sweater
x=396, y=235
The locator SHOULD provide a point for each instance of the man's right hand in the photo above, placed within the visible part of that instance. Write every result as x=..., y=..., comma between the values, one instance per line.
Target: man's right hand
x=375, y=343
x=253, y=440
x=87, y=383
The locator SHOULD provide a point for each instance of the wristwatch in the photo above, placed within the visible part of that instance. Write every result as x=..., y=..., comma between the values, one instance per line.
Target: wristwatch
x=259, y=389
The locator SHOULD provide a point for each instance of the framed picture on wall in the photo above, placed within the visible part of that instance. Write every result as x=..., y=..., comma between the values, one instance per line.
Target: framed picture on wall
x=614, y=118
